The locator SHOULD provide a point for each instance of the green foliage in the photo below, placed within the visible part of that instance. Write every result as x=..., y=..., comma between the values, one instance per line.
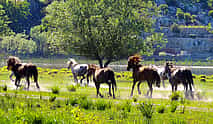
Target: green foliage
x=175, y=28
x=163, y=8
x=18, y=44
x=71, y=88
x=173, y=106
x=175, y=96
x=146, y=109
x=180, y=14
x=161, y=109
x=102, y=104
x=101, y=29
x=210, y=13
x=18, y=13
x=4, y=22
x=55, y=89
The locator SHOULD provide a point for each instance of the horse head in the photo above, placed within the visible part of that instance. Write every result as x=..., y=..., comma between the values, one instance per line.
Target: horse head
x=133, y=61
x=12, y=61
x=167, y=70
x=71, y=62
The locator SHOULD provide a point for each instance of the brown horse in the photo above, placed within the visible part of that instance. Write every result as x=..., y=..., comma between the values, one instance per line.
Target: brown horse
x=22, y=70
x=17, y=61
x=103, y=75
x=142, y=73
x=178, y=76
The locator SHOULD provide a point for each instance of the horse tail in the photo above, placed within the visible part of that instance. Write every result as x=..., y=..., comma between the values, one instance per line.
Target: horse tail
x=157, y=78
x=35, y=73
x=113, y=81
x=190, y=78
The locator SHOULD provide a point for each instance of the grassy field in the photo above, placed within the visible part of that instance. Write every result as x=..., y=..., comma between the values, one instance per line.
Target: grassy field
x=59, y=101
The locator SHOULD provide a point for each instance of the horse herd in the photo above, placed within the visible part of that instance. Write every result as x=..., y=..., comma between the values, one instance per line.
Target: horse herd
x=153, y=75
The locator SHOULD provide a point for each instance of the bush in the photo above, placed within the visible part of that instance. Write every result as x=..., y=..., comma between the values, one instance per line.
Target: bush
x=163, y=8
x=180, y=14
x=71, y=88
x=161, y=109
x=173, y=106
x=55, y=90
x=52, y=98
x=175, y=28
x=175, y=96
x=146, y=109
x=102, y=104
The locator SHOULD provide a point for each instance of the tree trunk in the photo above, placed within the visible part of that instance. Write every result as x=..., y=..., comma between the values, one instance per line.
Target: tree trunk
x=107, y=62
x=100, y=62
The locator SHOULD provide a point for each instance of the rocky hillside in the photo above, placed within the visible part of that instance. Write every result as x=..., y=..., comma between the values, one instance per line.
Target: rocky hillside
x=186, y=24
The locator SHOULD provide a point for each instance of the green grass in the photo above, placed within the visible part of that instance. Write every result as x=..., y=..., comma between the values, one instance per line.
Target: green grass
x=82, y=106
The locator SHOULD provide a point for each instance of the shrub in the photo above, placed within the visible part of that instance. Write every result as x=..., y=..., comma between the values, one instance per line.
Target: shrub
x=175, y=96
x=175, y=28
x=127, y=106
x=146, y=109
x=102, y=104
x=163, y=8
x=180, y=14
x=161, y=109
x=52, y=98
x=71, y=88
x=173, y=106
x=55, y=90
x=86, y=103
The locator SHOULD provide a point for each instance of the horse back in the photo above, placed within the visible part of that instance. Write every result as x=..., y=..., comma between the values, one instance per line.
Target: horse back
x=146, y=73
x=103, y=74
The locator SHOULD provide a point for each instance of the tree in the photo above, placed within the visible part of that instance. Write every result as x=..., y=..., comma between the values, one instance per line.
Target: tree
x=4, y=21
x=18, y=44
x=102, y=29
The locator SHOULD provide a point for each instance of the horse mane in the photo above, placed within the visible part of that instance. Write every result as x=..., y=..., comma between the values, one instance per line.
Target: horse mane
x=16, y=59
x=72, y=60
x=93, y=66
x=135, y=58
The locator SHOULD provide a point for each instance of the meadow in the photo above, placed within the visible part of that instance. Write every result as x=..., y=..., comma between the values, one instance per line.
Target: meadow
x=61, y=101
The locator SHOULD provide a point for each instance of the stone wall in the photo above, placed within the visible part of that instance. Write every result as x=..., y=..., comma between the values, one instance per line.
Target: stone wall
x=193, y=42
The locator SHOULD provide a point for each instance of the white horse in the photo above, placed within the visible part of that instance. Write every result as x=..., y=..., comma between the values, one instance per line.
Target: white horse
x=78, y=70
x=161, y=72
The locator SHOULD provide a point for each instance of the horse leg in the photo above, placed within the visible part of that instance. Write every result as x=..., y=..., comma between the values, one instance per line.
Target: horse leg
x=28, y=82
x=113, y=91
x=16, y=82
x=134, y=82
x=150, y=88
x=75, y=78
x=11, y=75
x=82, y=79
x=97, y=88
x=163, y=83
x=110, y=89
x=88, y=75
x=139, y=92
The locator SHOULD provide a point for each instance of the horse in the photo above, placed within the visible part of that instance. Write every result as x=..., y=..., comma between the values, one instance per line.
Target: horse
x=22, y=70
x=142, y=73
x=178, y=76
x=161, y=72
x=17, y=60
x=78, y=70
x=103, y=75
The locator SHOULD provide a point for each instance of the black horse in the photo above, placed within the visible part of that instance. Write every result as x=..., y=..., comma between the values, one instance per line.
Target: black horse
x=178, y=76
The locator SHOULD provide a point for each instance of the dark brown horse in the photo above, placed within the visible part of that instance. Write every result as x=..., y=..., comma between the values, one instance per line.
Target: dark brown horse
x=22, y=70
x=142, y=73
x=103, y=75
x=178, y=76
